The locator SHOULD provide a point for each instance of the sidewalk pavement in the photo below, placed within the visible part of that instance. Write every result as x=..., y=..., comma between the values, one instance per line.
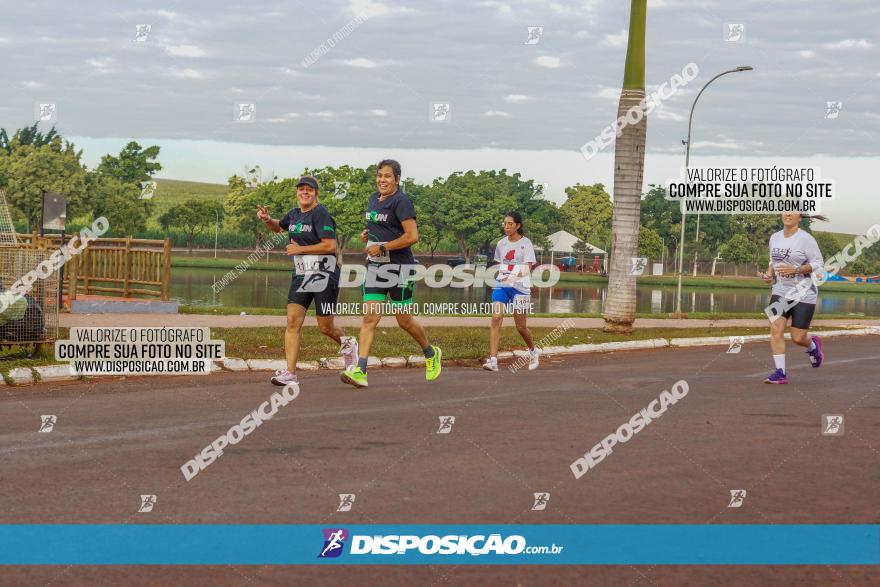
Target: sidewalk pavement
x=233, y=321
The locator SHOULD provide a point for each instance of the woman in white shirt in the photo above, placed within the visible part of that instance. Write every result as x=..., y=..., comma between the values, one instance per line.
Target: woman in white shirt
x=516, y=257
x=794, y=257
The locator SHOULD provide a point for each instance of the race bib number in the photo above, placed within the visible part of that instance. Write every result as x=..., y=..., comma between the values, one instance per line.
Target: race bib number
x=782, y=278
x=513, y=277
x=309, y=264
x=386, y=258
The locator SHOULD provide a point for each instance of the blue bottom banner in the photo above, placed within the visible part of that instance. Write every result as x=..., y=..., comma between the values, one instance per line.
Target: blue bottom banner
x=413, y=544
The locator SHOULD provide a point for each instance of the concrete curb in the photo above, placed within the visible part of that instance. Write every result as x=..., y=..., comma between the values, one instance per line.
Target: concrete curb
x=725, y=340
x=21, y=375
x=63, y=372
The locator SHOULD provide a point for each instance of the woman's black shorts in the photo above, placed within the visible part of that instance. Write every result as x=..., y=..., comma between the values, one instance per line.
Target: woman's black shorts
x=801, y=314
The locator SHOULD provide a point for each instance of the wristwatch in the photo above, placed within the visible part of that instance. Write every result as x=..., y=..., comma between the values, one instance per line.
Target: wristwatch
x=382, y=249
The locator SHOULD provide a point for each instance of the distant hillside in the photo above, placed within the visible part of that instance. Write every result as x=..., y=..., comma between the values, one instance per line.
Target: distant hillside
x=173, y=191
x=841, y=237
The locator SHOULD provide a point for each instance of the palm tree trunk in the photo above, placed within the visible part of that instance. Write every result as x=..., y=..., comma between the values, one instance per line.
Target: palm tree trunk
x=629, y=167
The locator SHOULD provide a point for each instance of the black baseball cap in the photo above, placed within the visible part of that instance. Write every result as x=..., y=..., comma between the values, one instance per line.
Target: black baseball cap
x=308, y=180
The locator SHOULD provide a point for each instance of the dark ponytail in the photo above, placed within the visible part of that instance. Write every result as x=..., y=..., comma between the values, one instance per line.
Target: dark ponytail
x=517, y=217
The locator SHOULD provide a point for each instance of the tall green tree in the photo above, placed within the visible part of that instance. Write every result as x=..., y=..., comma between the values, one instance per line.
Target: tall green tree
x=27, y=170
x=469, y=209
x=650, y=243
x=191, y=217
x=243, y=198
x=629, y=168
x=739, y=249
x=587, y=213
x=133, y=165
x=828, y=243
x=120, y=204
x=29, y=135
x=348, y=203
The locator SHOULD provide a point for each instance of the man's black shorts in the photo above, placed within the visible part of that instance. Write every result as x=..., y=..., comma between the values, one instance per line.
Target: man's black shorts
x=376, y=287
x=801, y=314
x=321, y=287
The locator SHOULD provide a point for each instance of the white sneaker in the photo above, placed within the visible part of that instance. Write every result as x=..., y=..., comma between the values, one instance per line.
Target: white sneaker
x=283, y=378
x=533, y=358
x=349, y=351
x=491, y=364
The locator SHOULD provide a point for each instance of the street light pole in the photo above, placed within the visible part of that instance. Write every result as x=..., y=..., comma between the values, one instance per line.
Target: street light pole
x=687, y=160
x=216, y=230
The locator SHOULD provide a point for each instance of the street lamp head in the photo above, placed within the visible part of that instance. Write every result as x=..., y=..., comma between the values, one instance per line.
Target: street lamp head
x=745, y=68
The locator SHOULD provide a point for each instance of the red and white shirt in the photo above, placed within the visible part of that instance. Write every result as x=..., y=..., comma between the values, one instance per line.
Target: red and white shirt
x=514, y=258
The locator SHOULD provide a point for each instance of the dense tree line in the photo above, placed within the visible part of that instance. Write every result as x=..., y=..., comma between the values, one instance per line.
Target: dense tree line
x=462, y=212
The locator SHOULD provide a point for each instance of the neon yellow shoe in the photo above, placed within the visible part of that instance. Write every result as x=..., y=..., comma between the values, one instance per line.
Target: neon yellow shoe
x=354, y=377
x=432, y=365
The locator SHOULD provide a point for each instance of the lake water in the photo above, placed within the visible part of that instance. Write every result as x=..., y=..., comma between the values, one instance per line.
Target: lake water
x=268, y=289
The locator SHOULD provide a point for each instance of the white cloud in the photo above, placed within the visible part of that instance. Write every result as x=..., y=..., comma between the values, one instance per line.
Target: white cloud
x=186, y=73
x=498, y=113
x=29, y=84
x=5, y=40
x=807, y=54
x=167, y=14
x=548, y=61
x=849, y=44
x=609, y=93
x=579, y=9
x=663, y=113
x=729, y=144
x=284, y=117
x=184, y=51
x=289, y=71
x=362, y=62
x=369, y=9
x=516, y=98
x=322, y=114
x=379, y=112
x=618, y=40
x=501, y=6
x=100, y=65
x=657, y=4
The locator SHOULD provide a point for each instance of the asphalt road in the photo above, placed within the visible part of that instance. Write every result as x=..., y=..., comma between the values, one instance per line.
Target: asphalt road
x=514, y=434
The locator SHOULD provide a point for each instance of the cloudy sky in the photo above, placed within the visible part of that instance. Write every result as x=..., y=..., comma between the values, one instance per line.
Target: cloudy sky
x=525, y=106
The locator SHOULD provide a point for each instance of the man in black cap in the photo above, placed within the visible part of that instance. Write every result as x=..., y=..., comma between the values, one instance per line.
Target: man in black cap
x=312, y=247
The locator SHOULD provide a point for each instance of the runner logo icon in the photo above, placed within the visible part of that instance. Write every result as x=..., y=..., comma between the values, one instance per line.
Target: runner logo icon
x=47, y=422
x=147, y=503
x=446, y=423
x=737, y=497
x=346, y=500
x=832, y=425
x=541, y=500
x=334, y=542
x=736, y=343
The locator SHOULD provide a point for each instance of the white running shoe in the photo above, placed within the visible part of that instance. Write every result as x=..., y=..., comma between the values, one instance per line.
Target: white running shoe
x=533, y=358
x=349, y=351
x=283, y=378
x=491, y=364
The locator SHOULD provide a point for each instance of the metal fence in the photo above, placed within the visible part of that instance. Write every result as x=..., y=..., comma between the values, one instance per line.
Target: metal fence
x=33, y=317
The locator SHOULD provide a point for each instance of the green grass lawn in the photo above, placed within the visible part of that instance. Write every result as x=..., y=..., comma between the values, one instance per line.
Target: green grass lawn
x=250, y=310
x=457, y=343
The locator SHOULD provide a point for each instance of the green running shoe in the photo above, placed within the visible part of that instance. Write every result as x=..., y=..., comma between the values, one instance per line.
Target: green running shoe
x=354, y=377
x=432, y=365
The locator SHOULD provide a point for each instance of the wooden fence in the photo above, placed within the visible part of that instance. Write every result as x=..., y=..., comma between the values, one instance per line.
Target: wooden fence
x=125, y=267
